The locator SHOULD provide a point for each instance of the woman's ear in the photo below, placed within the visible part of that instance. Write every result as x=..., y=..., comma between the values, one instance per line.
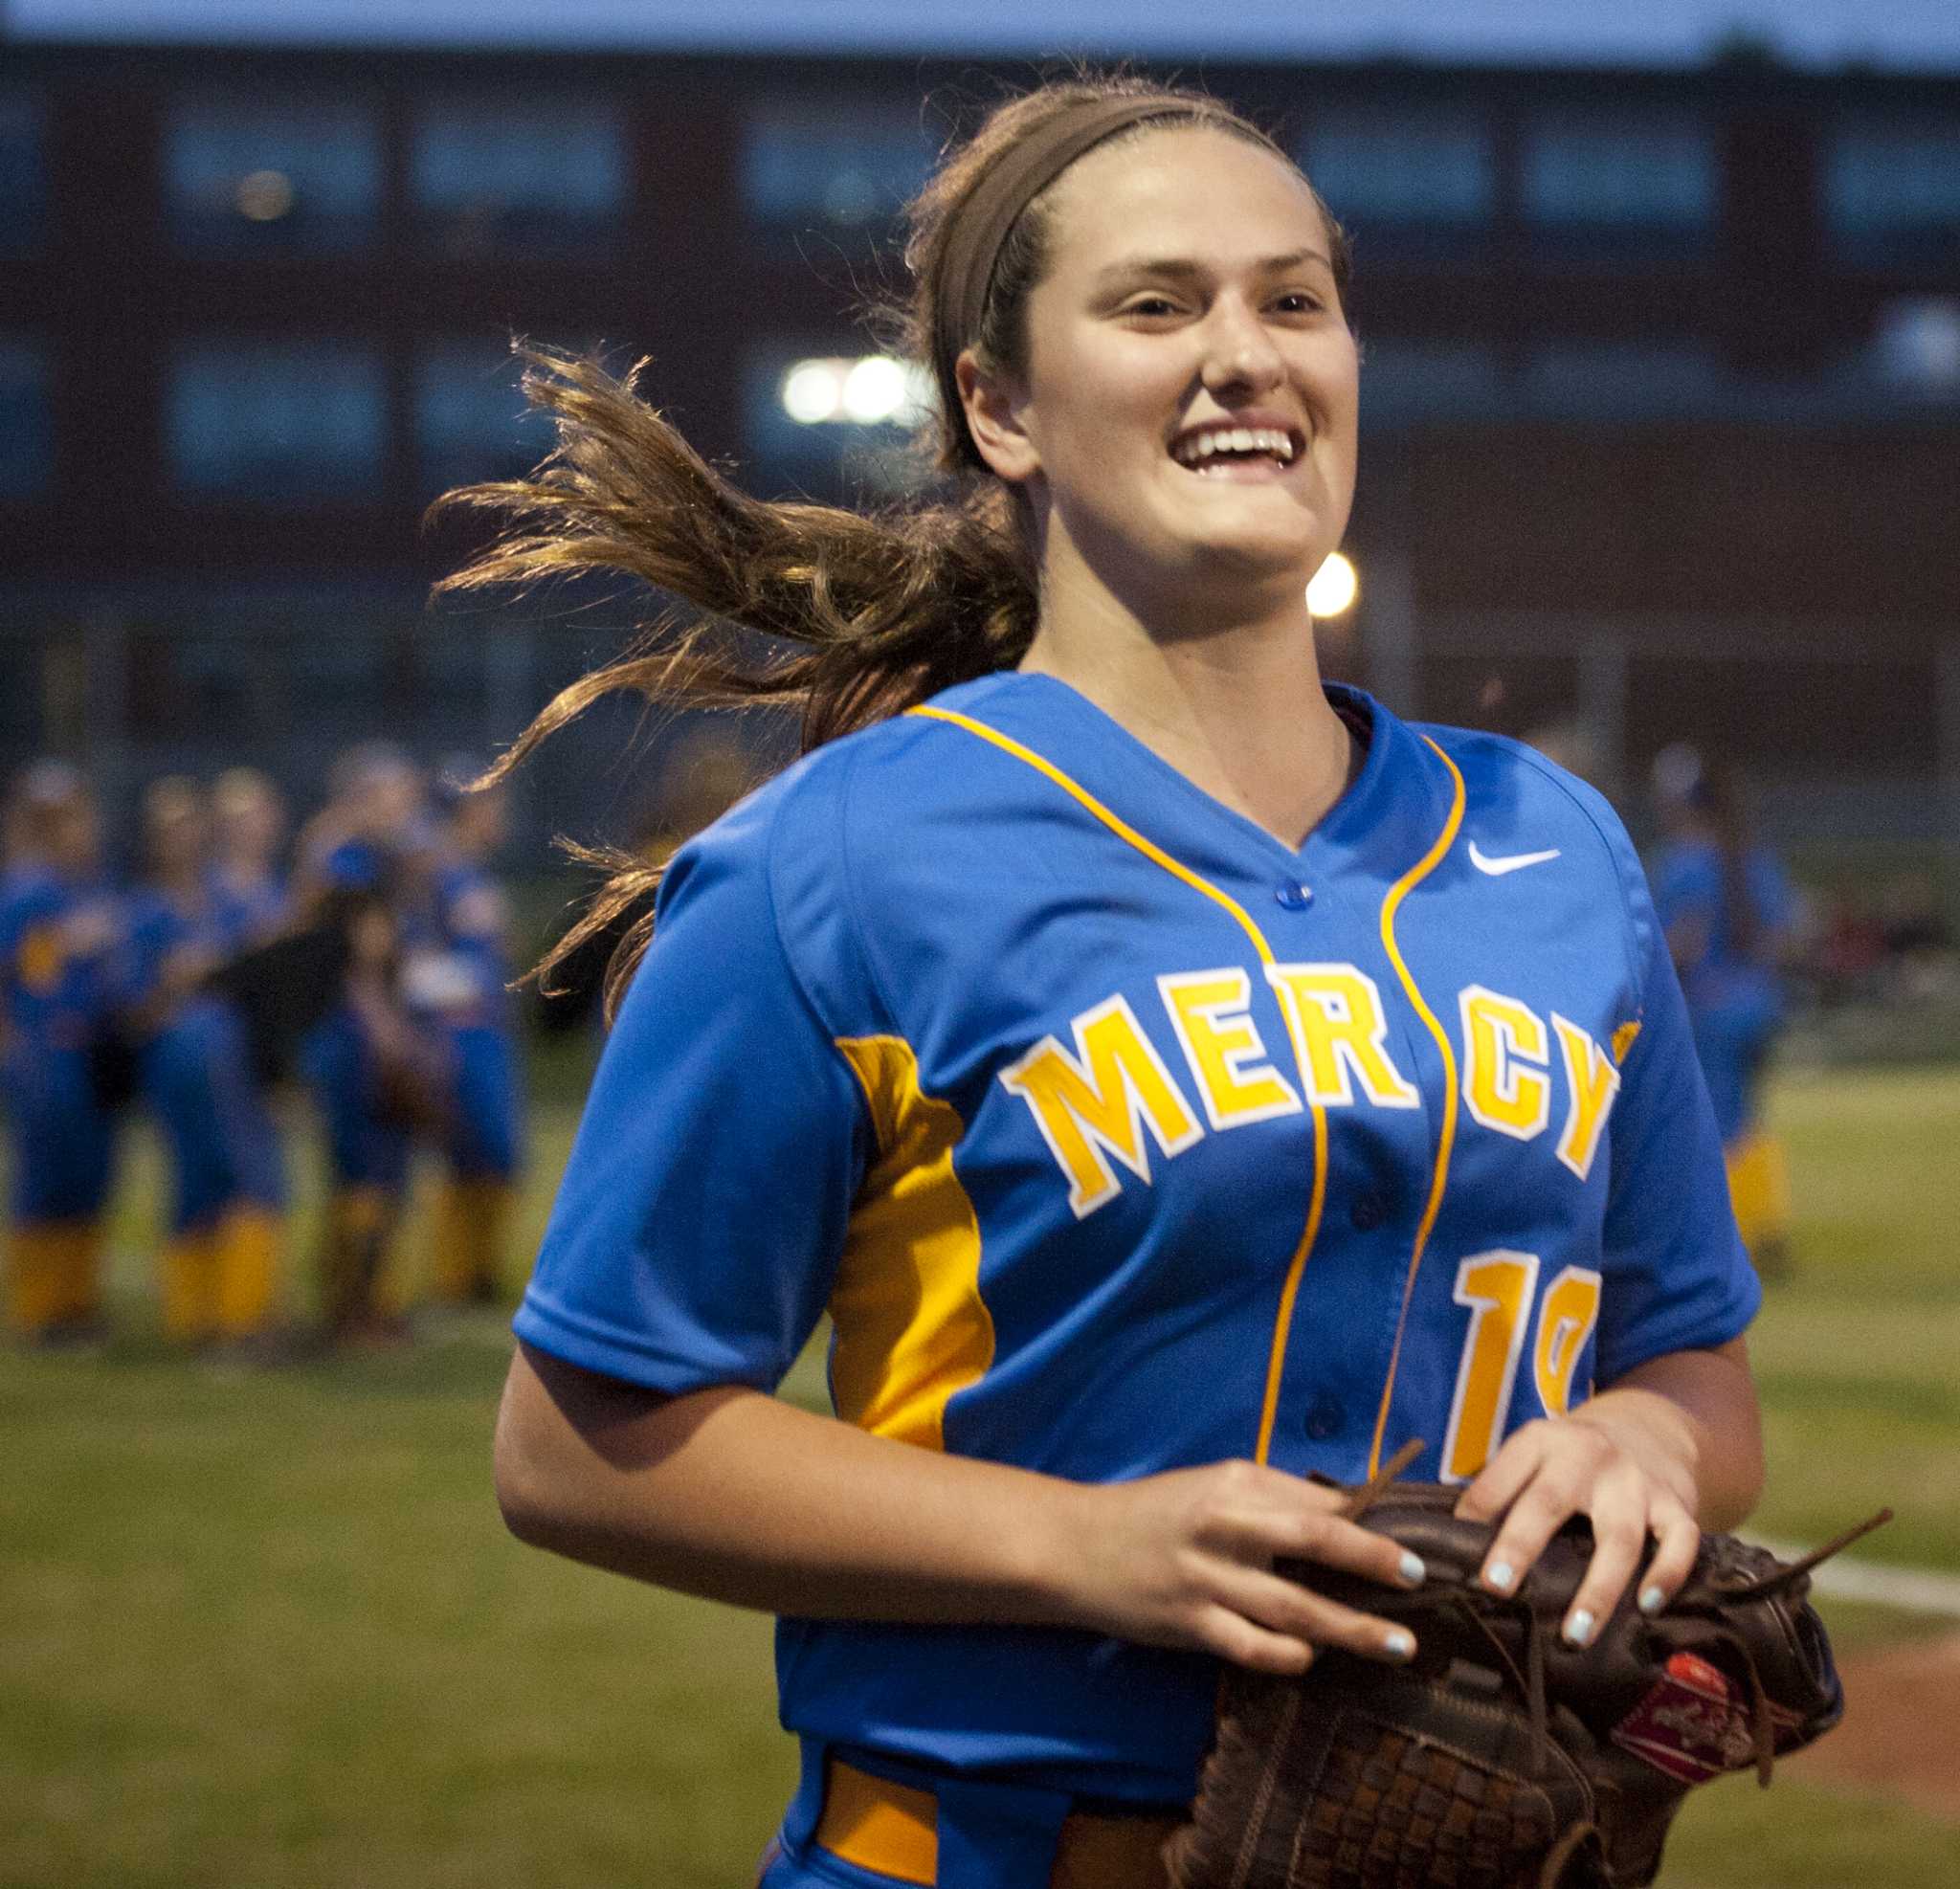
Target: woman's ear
x=994, y=417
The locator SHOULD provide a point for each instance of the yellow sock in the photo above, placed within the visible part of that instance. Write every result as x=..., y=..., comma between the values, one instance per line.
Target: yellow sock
x=1759, y=1189
x=190, y=1285
x=247, y=1245
x=358, y=1223
x=470, y=1219
x=36, y=1274
x=83, y=1262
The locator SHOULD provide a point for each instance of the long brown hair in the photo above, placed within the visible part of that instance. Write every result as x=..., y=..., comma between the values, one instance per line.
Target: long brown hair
x=869, y=612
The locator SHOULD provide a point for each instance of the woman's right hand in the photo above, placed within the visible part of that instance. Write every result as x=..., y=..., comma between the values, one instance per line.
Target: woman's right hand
x=1185, y=1559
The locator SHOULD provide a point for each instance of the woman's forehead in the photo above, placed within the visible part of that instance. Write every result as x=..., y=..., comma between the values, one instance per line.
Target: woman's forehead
x=1187, y=192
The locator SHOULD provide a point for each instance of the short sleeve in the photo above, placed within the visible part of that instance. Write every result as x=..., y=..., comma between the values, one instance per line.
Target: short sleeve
x=1678, y=1276
x=701, y=1216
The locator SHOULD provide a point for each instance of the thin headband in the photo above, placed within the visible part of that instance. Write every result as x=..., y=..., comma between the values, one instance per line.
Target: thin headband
x=981, y=224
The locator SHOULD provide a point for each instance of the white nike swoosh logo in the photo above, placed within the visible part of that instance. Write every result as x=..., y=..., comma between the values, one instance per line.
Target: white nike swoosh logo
x=1509, y=862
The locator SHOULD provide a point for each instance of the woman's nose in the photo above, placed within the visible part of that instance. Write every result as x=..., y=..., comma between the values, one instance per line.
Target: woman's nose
x=1240, y=352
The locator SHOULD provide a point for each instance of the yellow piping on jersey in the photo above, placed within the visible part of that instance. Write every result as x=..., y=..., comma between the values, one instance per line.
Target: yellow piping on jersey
x=911, y=1326
x=1147, y=847
x=1289, y=1293
x=1446, y=1137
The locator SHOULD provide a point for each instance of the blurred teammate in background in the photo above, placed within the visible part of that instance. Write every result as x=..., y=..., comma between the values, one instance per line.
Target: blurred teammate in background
x=60, y=946
x=248, y=826
x=227, y=1223
x=453, y=981
x=1730, y=916
x=361, y=859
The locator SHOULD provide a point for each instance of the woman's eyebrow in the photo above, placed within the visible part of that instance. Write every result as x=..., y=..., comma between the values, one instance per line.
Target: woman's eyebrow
x=1183, y=268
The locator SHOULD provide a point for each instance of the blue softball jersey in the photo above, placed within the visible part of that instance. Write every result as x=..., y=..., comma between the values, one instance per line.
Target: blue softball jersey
x=1115, y=1136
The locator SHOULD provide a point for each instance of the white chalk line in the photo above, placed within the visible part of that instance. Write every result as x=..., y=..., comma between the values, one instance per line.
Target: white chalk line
x=1911, y=1590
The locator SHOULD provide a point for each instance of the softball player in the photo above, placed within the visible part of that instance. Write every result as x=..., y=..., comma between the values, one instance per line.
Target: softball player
x=61, y=943
x=227, y=1220
x=362, y=861
x=1727, y=911
x=1172, y=1077
x=456, y=985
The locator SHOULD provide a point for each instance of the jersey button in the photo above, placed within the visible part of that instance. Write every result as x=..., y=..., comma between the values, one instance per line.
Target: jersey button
x=1323, y=1421
x=1367, y=1211
x=1295, y=896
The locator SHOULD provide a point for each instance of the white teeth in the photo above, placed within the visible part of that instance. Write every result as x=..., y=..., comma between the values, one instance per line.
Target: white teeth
x=1202, y=446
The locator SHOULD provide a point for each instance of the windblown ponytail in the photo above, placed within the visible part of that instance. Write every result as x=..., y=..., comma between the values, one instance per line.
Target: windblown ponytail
x=867, y=612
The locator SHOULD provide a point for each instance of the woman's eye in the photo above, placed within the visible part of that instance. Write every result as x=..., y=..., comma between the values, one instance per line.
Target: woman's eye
x=1150, y=304
x=1297, y=301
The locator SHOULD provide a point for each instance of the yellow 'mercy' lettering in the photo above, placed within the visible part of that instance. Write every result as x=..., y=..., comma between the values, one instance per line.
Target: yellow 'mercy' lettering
x=1211, y=1011
x=1340, y=1031
x=1504, y=1052
x=1095, y=1103
x=1593, y=1082
x=1098, y=1102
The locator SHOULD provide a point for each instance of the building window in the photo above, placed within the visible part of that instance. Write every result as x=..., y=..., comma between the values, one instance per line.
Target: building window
x=1892, y=191
x=845, y=176
x=471, y=420
x=1617, y=182
x=23, y=174
x=253, y=179
x=277, y=422
x=27, y=426
x=1625, y=381
x=547, y=180
x=1403, y=180
x=1407, y=383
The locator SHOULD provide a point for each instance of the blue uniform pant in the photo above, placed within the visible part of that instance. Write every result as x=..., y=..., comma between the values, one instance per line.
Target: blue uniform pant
x=1733, y=1031
x=62, y=1136
x=63, y=1140
x=224, y=1146
x=485, y=1141
x=366, y=1150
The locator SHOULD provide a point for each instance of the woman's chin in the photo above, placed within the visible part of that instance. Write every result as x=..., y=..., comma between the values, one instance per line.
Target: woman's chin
x=1265, y=560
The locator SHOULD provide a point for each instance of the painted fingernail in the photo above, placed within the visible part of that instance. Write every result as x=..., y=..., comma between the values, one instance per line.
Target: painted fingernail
x=1579, y=1627
x=1499, y=1575
x=1652, y=1600
x=1399, y=1645
x=1412, y=1569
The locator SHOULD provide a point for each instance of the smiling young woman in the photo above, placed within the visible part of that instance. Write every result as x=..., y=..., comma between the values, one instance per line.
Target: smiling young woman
x=1118, y=1035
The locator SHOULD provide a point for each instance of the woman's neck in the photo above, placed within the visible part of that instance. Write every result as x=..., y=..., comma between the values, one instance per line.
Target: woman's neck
x=1238, y=708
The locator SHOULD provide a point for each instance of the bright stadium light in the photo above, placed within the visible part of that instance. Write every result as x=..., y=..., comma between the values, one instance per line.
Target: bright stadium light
x=814, y=391
x=1335, y=588
x=922, y=395
x=872, y=390
x=875, y=391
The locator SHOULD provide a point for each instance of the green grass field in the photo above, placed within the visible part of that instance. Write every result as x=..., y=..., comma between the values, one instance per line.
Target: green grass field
x=266, y=1630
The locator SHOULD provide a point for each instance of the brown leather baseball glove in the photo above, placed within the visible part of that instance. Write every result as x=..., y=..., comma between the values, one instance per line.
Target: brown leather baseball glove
x=1501, y=1757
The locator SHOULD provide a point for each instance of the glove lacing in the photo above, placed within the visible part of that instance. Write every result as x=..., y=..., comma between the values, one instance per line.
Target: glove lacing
x=1530, y=1683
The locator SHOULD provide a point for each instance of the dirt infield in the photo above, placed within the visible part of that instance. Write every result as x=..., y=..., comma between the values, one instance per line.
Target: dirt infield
x=1901, y=1726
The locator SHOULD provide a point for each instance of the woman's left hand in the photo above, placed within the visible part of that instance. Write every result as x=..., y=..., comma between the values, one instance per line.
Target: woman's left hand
x=1605, y=1465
